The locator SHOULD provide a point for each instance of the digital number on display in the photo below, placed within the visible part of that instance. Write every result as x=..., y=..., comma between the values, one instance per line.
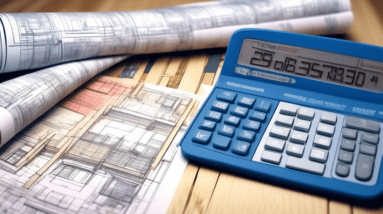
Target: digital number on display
x=311, y=68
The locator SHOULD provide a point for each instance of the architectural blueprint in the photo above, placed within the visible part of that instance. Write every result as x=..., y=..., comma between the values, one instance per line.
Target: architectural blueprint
x=33, y=40
x=24, y=99
x=110, y=160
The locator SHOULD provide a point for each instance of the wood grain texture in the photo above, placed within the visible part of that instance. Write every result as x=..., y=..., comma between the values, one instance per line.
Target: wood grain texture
x=240, y=195
x=184, y=189
x=193, y=73
x=339, y=207
x=203, y=189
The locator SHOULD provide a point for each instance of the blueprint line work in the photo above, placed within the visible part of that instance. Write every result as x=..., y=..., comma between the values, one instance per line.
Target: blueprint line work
x=34, y=40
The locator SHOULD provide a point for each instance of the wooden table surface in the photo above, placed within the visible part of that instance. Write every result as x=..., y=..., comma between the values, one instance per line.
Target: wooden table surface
x=204, y=190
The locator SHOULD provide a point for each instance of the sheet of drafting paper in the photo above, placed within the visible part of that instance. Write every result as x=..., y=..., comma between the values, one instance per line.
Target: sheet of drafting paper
x=103, y=161
x=26, y=98
x=34, y=40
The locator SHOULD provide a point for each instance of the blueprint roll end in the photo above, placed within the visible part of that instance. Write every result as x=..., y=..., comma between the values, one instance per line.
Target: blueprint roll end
x=7, y=127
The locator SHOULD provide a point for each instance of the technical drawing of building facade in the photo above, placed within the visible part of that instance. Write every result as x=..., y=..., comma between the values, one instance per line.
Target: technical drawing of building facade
x=104, y=159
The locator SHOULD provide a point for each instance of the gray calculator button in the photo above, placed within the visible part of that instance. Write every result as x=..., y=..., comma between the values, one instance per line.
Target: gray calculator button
x=271, y=157
x=302, y=125
x=362, y=124
x=370, y=138
x=347, y=144
x=342, y=170
x=306, y=113
x=345, y=156
x=288, y=109
x=329, y=118
x=275, y=144
x=322, y=141
x=318, y=155
x=364, y=167
x=298, y=137
x=305, y=165
x=280, y=132
x=349, y=133
x=325, y=129
x=295, y=150
x=285, y=120
x=367, y=149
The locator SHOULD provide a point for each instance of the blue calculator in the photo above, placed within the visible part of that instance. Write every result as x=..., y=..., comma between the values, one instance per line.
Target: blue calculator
x=301, y=111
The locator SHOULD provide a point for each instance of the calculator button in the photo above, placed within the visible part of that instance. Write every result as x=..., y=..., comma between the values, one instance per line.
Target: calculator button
x=306, y=113
x=342, y=170
x=298, y=137
x=329, y=118
x=305, y=165
x=221, y=142
x=295, y=150
x=318, y=155
x=322, y=141
x=288, y=109
x=345, y=156
x=302, y=125
x=214, y=116
x=362, y=124
x=239, y=111
x=347, y=144
x=284, y=120
x=227, y=96
x=207, y=125
x=275, y=144
x=262, y=105
x=241, y=148
x=370, y=138
x=258, y=116
x=271, y=157
x=232, y=120
x=202, y=137
x=364, y=167
x=349, y=133
x=325, y=129
x=220, y=106
x=247, y=136
x=246, y=101
x=367, y=149
x=226, y=130
x=252, y=126
x=280, y=132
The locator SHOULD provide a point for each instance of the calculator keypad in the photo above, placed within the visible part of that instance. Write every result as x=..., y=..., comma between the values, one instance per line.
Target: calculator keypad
x=322, y=143
x=291, y=136
x=234, y=122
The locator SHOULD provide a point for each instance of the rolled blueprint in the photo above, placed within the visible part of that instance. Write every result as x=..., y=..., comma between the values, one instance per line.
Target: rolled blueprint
x=33, y=40
x=24, y=99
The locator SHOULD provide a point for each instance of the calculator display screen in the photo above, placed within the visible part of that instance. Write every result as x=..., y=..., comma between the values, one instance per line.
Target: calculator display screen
x=313, y=64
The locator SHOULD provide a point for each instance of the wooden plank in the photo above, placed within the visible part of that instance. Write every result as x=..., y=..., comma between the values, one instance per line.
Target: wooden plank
x=182, y=194
x=202, y=191
x=240, y=195
x=336, y=207
x=155, y=73
x=140, y=71
x=192, y=76
x=171, y=70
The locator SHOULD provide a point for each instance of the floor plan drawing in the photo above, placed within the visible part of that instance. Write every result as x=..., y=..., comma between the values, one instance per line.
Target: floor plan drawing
x=33, y=40
x=109, y=160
